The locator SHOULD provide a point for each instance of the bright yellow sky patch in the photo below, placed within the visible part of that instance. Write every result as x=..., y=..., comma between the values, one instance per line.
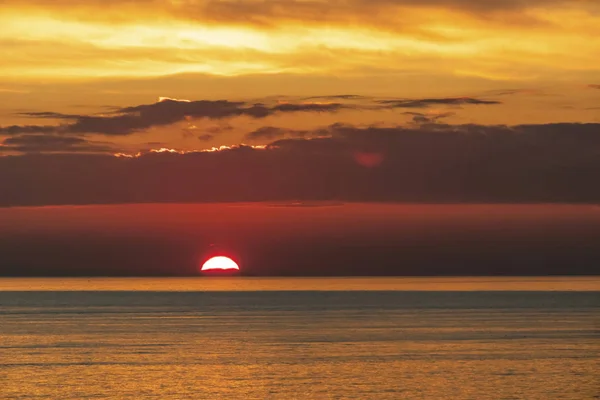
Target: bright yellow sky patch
x=78, y=57
x=53, y=42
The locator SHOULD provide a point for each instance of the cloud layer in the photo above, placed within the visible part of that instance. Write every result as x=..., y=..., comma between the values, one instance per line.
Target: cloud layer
x=509, y=39
x=431, y=162
x=136, y=118
x=274, y=12
x=128, y=120
x=51, y=144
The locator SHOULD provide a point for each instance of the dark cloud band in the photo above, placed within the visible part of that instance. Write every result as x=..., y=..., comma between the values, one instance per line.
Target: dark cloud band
x=40, y=143
x=431, y=162
x=128, y=120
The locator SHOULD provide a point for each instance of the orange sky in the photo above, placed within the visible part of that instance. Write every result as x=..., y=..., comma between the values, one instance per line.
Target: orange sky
x=538, y=60
x=312, y=239
x=513, y=40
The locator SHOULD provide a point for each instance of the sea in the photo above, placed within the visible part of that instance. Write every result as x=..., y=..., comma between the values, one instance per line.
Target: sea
x=300, y=338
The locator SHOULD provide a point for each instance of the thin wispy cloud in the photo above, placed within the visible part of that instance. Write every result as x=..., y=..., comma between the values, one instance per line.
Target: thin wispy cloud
x=127, y=120
x=151, y=38
x=424, y=103
x=52, y=144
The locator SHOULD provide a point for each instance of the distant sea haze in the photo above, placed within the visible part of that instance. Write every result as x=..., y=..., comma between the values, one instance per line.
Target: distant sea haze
x=317, y=239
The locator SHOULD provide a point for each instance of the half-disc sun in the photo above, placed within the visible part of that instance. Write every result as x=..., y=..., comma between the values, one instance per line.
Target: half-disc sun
x=220, y=263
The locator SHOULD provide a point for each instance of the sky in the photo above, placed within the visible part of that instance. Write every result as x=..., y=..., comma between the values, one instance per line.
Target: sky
x=126, y=78
x=237, y=100
x=322, y=106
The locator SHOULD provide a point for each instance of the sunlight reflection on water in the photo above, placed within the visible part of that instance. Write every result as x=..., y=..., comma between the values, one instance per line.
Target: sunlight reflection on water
x=577, y=283
x=350, y=341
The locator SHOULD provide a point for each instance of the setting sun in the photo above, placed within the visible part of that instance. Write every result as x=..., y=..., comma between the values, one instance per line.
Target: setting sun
x=220, y=263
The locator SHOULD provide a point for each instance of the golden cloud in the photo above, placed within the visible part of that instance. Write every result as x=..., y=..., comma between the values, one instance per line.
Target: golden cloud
x=496, y=40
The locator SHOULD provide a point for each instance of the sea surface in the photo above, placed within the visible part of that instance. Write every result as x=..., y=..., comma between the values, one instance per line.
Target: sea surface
x=293, y=338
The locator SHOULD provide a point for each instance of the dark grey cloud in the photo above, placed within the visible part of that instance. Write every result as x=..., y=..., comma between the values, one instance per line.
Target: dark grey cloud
x=43, y=140
x=24, y=129
x=131, y=119
x=128, y=120
x=424, y=103
x=339, y=97
x=429, y=162
x=219, y=129
x=49, y=115
x=212, y=132
x=512, y=92
x=46, y=143
x=420, y=118
x=272, y=133
x=312, y=107
x=267, y=133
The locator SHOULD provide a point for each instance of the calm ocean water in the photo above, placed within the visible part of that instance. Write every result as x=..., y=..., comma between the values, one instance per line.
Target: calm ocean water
x=252, y=338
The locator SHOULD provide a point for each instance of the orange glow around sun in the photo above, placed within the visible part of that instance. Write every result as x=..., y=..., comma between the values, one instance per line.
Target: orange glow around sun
x=220, y=263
